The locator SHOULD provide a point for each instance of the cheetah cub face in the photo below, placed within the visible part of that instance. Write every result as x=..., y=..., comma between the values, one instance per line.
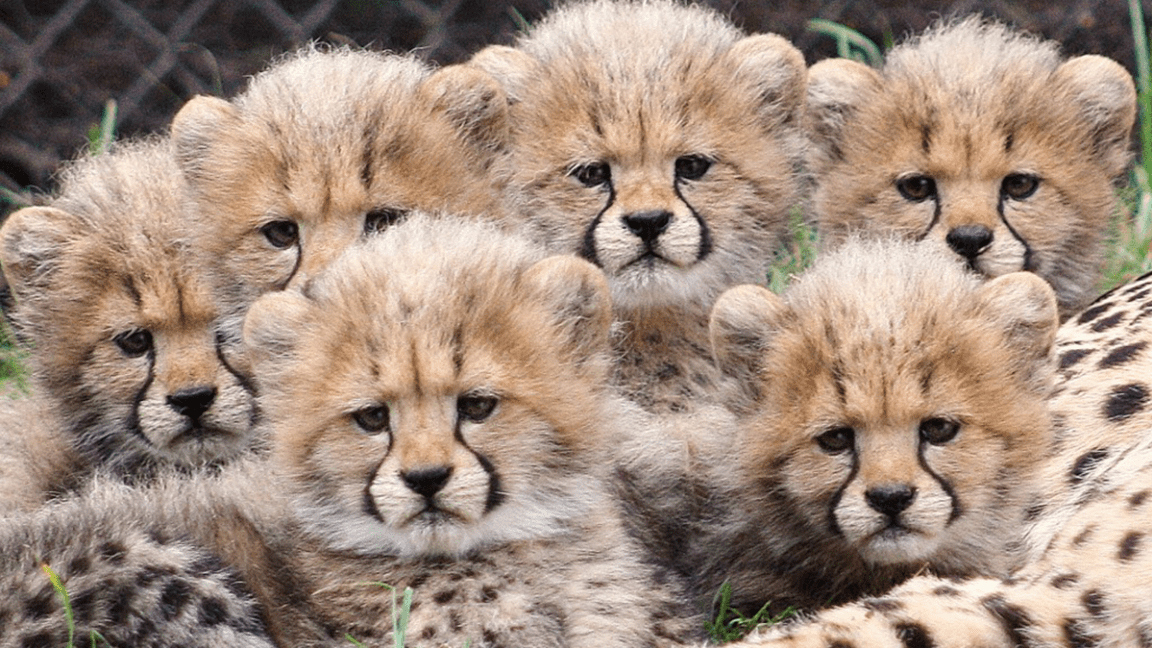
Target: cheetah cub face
x=121, y=319
x=655, y=140
x=892, y=402
x=327, y=147
x=981, y=140
x=415, y=396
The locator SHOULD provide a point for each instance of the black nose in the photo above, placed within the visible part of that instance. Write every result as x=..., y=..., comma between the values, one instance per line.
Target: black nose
x=891, y=500
x=427, y=482
x=648, y=225
x=969, y=240
x=192, y=402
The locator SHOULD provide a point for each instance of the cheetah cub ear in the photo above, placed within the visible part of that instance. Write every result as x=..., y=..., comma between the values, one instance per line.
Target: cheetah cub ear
x=30, y=247
x=511, y=67
x=473, y=101
x=741, y=328
x=772, y=69
x=201, y=122
x=576, y=294
x=1024, y=308
x=273, y=325
x=836, y=88
x=1108, y=100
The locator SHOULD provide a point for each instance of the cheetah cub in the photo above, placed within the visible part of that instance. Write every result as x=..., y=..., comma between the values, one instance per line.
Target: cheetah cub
x=891, y=410
x=119, y=322
x=661, y=143
x=1087, y=578
x=440, y=408
x=327, y=146
x=982, y=140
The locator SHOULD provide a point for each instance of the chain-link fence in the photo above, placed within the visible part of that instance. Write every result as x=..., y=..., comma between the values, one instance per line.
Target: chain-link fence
x=61, y=61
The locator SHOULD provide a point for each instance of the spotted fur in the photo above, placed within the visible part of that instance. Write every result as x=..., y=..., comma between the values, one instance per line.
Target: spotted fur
x=127, y=582
x=1087, y=581
x=982, y=140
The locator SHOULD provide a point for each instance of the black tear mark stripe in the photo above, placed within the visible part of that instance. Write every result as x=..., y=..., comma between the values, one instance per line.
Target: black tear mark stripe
x=133, y=424
x=589, y=241
x=955, y=503
x=934, y=220
x=368, y=503
x=705, y=246
x=1027, y=256
x=836, y=499
x=296, y=265
x=495, y=494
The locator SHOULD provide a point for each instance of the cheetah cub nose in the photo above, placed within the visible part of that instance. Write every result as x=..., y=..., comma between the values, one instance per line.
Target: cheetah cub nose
x=969, y=240
x=891, y=500
x=427, y=482
x=192, y=402
x=648, y=225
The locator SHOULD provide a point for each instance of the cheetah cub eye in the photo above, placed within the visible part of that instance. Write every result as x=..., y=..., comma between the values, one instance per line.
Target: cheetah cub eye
x=281, y=233
x=1019, y=186
x=692, y=167
x=917, y=188
x=134, y=342
x=836, y=440
x=476, y=407
x=373, y=419
x=595, y=174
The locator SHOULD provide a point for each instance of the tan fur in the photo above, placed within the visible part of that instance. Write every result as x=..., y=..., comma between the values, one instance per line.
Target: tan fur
x=490, y=366
x=119, y=324
x=1087, y=582
x=981, y=112
x=37, y=460
x=523, y=547
x=643, y=91
x=326, y=146
x=888, y=423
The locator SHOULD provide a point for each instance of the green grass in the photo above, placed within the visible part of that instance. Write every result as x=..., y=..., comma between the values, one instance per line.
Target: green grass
x=62, y=593
x=796, y=255
x=729, y=624
x=400, y=613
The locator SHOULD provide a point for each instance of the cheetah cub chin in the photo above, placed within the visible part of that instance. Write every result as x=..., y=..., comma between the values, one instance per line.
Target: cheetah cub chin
x=982, y=140
x=328, y=146
x=120, y=325
x=661, y=143
x=440, y=406
x=890, y=414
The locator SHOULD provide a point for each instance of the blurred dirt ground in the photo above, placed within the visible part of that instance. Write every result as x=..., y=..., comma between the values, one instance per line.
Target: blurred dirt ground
x=62, y=60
